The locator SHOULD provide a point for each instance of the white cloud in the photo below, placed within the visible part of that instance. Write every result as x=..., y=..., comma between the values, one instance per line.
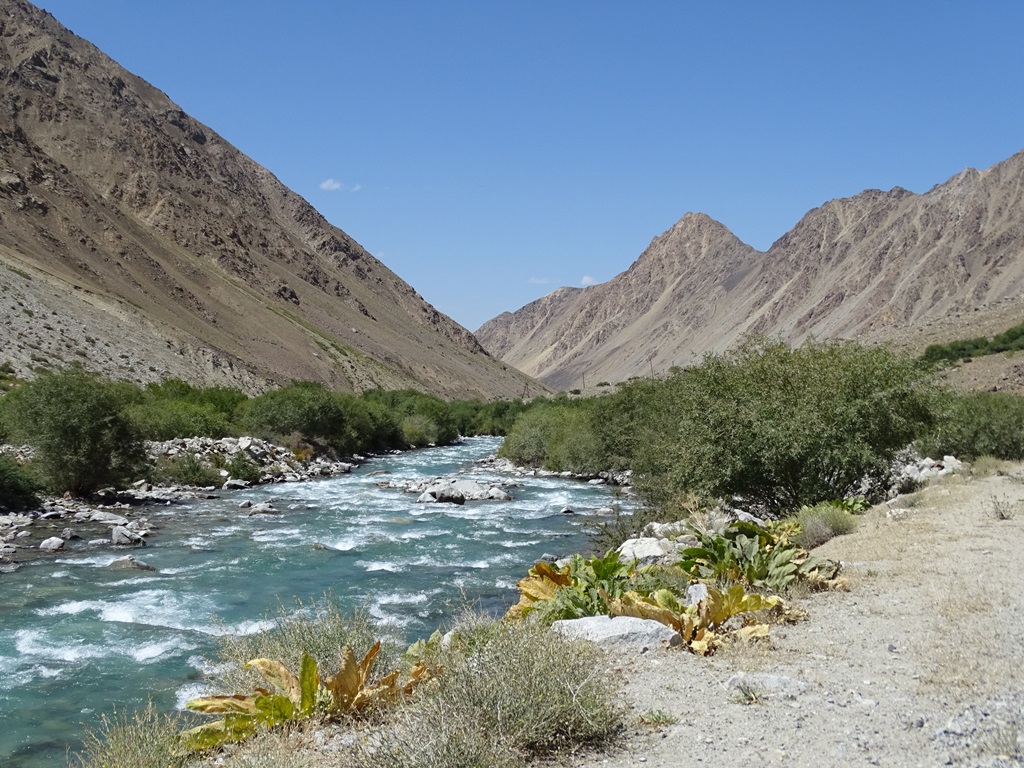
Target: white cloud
x=330, y=185
x=588, y=280
x=539, y=280
x=356, y=187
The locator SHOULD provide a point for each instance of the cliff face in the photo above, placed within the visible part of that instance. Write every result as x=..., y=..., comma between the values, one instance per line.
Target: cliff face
x=138, y=241
x=880, y=265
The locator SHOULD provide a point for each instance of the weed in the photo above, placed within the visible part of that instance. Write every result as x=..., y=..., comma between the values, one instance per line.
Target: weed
x=1003, y=508
x=822, y=522
x=319, y=628
x=510, y=689
x=142, y=739
x=748, y=694
x=657, y=718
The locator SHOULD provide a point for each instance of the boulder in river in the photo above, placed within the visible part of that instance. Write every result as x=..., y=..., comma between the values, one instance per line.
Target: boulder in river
x=52, y=544
x=130, y=562
x=122, y=537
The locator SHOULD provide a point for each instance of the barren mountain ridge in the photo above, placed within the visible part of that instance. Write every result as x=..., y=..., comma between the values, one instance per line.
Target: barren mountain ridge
x=137, y=241
x=879, y=266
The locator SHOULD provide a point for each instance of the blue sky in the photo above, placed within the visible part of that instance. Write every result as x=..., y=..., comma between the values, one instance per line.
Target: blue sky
x=491, y=152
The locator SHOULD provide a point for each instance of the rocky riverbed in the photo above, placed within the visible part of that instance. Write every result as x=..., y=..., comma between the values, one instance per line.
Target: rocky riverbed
x=118, y=518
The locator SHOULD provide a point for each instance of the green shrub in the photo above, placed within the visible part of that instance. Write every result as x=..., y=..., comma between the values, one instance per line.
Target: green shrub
x=779, y=427
x=510, y=690
x=978, y=424
x=77, y=424
x=142, y=739
x=419, y=430
x=169, y=419
x=17, y=487
x=241, y=467
x=185, y=469
x=303, y=407
x=822, y=522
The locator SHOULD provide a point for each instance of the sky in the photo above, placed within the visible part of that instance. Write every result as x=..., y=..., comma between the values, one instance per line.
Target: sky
x=491, y=152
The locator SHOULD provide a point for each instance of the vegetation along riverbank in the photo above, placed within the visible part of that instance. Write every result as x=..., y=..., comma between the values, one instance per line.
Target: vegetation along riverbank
x=745, y=464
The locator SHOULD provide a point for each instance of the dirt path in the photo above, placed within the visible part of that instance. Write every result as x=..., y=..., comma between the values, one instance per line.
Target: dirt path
x=921, y=663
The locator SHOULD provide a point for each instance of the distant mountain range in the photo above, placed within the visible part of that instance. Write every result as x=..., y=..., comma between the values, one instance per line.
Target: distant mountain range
x=137, y=241
x=893, y=266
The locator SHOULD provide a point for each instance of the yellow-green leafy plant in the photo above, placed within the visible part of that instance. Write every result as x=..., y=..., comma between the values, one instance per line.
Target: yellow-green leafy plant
x=296, y=697
x=701, y=623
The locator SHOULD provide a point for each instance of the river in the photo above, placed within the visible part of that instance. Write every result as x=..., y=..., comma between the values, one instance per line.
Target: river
x=78, y=639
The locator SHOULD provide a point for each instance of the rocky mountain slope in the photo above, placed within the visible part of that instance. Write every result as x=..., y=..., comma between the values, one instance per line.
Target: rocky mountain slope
x=136, y=240
x=878, y=266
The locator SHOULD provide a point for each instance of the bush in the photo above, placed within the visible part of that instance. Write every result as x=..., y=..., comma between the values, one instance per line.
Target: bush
x=509, y=690
x=822, y=522
x=17, y=487
x=185, y=469
x=77, y=424
x=780, y=427
x=303, y=407
x=978, y=424
x=169, y=419
x=143, y=739
x=319, y=628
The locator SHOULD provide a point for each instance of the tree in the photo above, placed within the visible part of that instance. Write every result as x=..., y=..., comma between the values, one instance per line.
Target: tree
x=76, y=423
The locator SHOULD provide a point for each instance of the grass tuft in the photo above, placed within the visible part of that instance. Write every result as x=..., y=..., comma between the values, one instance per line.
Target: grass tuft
x=509, y=691
x=822, y=522
x=141, y=739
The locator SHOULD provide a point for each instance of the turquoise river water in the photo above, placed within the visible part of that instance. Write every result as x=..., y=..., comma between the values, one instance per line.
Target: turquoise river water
x=78, y=639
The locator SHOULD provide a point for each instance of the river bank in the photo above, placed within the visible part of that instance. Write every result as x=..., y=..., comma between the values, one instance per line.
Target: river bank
x=918, y=664
x=79, y=637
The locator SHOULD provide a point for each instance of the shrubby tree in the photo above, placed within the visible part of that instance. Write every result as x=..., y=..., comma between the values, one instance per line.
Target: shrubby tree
x=782, y=427
x=978, y=424
x=77, y=424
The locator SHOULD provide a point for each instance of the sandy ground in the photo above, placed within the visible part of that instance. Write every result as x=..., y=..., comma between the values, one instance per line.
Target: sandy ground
x=921, y=663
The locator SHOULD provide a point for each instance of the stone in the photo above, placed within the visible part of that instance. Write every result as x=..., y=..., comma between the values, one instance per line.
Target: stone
x=68, y=534
x=264, y=508
x=22, y=534
x=129, y=562
x=498, y=494
x=107, y=518
x=625, y=633
x=568, y=511
x=122, y=537
x=233, y=484
x=647, y=550
x=245, y=504
x=426, y=498
x=52, y=544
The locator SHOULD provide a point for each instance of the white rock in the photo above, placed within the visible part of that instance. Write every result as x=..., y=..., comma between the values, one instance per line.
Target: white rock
x=52, y=544
x=620, y=632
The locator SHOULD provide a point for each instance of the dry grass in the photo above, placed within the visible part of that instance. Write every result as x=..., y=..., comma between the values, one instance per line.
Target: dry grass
x=319, y=628
x=141, y=739
x=509, y=690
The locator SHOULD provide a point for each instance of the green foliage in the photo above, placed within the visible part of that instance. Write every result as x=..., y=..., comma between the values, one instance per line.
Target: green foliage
x=169, y=419
x=746, y=553
x=142, y=739
x=77, y=424
x=296, y=697
x=824, y=521
x=184, y=469
x=302, y=407
x=241, y=467
x=17, y=487
x=1009, y=340
x=978, y=424
x=591, y=582
x=781, y=427
x=559, y=436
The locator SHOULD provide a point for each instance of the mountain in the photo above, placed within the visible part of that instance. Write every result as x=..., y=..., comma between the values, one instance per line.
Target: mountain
x=137, y=241
x=893, y=266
